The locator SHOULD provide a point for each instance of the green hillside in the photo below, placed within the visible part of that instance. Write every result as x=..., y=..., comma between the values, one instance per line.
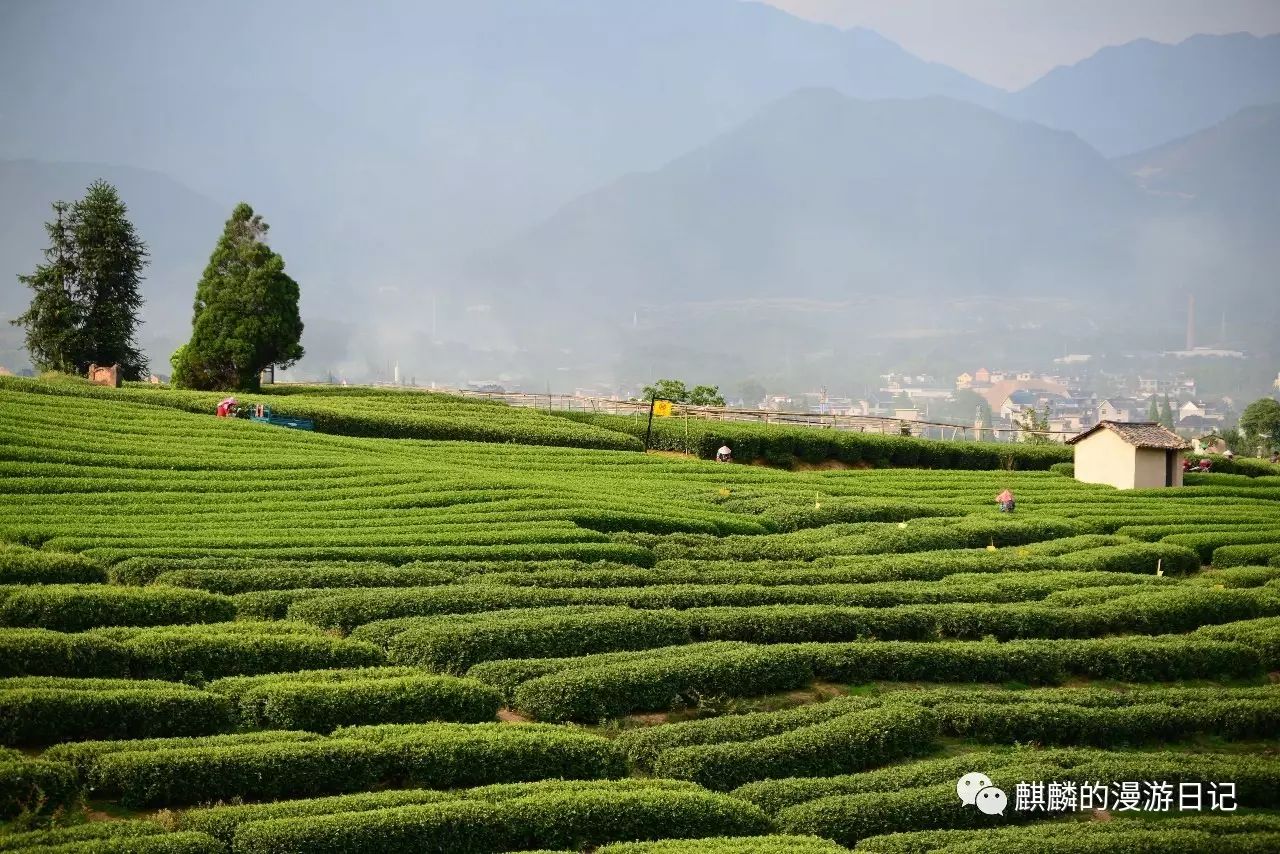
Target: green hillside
x=223, y=636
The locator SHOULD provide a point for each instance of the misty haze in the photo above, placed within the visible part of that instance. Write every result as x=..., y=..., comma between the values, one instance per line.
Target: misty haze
x=572, y=194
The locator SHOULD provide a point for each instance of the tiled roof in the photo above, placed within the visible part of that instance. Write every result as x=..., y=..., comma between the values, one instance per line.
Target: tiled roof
x=1140, y=434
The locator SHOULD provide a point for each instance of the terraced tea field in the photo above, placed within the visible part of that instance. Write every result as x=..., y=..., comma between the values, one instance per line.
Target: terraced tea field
x=221, y=636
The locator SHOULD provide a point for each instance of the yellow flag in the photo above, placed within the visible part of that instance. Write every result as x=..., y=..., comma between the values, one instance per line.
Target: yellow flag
x=662, y=408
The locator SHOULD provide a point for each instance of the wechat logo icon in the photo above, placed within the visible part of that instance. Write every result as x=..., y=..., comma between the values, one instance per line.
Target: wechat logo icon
x=976, y=790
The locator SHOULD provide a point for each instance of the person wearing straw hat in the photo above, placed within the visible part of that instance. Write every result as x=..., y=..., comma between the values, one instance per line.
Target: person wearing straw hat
x=227, y=407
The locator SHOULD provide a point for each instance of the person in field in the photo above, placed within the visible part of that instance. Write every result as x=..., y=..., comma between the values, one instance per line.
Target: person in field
x=1204, y=464
x=226, y=407
x=1275, y=457
x=1005, y=500
x=724, y=455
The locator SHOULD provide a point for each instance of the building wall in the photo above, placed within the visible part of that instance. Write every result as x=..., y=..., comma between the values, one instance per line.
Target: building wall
x=1149, y=468
x=1106, y=458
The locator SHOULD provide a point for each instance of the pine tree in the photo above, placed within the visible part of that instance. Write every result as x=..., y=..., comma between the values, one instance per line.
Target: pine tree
x=1166, y=413
x=246, y=312
x=86, y=295
x=1153, y=410
x=110, y=258
x=52, y=322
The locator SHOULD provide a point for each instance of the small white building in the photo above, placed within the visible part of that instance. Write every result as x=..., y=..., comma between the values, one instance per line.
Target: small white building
x=1129, y=455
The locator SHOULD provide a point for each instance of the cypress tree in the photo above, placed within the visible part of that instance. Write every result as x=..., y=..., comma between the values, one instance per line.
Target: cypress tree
x=246, y=312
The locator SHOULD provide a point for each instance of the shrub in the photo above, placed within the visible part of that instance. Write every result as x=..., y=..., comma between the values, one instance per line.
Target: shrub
x=851, y=742
x=35, y=787
x=453, y=755
x=549, y=820
x=44, y=715
x=454, y=645
x=72, y=608
x=595, y=693
x=83, y=754
x=223, y=821
x=175, y=655
x=20, y=565
x=249, y=771
x=730, y=845
x=1064, y=469
x=1262, y=635
x=322, y=706
x=643, y=746
x=79, y=833
x=163, y=843
x=43, y=652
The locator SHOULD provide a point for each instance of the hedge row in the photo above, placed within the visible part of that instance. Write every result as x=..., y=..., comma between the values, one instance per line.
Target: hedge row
x=223, y=821
x=323, y=706
x=35, y=787
x=848, y=743
x=1063, y=724
x=40, y=651
x=46, y=715
x=441, y=755
x=850, y=818
x=643, y=746
x=347, y=610
x=74, y=608
x=79, y=833
x=453, y=644
x=82, y=755
x=21, y=565
x=596, y=693
x=772, y=844
x=593, y=688
x=1248, y=555
x=786, y=445
x=163, y=843
x=1263, y=635
x=551, y=820
x=1119, y=833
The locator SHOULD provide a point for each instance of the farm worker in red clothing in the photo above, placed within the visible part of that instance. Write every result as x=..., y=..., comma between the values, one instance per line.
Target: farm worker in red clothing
x=226, y=406
x=1005, y=500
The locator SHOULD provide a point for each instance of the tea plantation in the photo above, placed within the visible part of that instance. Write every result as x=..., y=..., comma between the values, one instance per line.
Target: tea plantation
x=440, y=625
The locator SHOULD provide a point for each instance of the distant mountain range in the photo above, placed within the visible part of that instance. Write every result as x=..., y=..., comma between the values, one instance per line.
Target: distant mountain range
x=429, y=166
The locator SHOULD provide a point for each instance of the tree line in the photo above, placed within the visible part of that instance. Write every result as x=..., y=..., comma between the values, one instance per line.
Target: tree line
x=86, y=299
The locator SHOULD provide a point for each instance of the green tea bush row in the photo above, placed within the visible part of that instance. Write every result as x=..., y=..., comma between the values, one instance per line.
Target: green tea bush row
x=20, y=565
x=247, y=580
x=178, y=655
x=44, y=652
x=223, y=821
x=786, y=445
x=1118, y=831
x=452, y=645
x=73, y=608
x=1064, y=724
x=347, y=610
x=850, y=818
x=554, y=820
x=772, y=844
x=324, y=706
x=1206, y=545
x=596, y=687
x=79, y=833
x=46, y=715
x=847, y=743
x=1225, y=556
x=34, y=787
x=442, y=755
x=165, y=843
x=83, y=754
x=1263, y=635
x=596, y=693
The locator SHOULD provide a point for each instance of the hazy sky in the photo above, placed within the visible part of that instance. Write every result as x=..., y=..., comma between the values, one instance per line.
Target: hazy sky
x=1010, y=43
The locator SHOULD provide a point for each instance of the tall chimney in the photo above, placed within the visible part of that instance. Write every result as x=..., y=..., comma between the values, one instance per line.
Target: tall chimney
x=1191, y=321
